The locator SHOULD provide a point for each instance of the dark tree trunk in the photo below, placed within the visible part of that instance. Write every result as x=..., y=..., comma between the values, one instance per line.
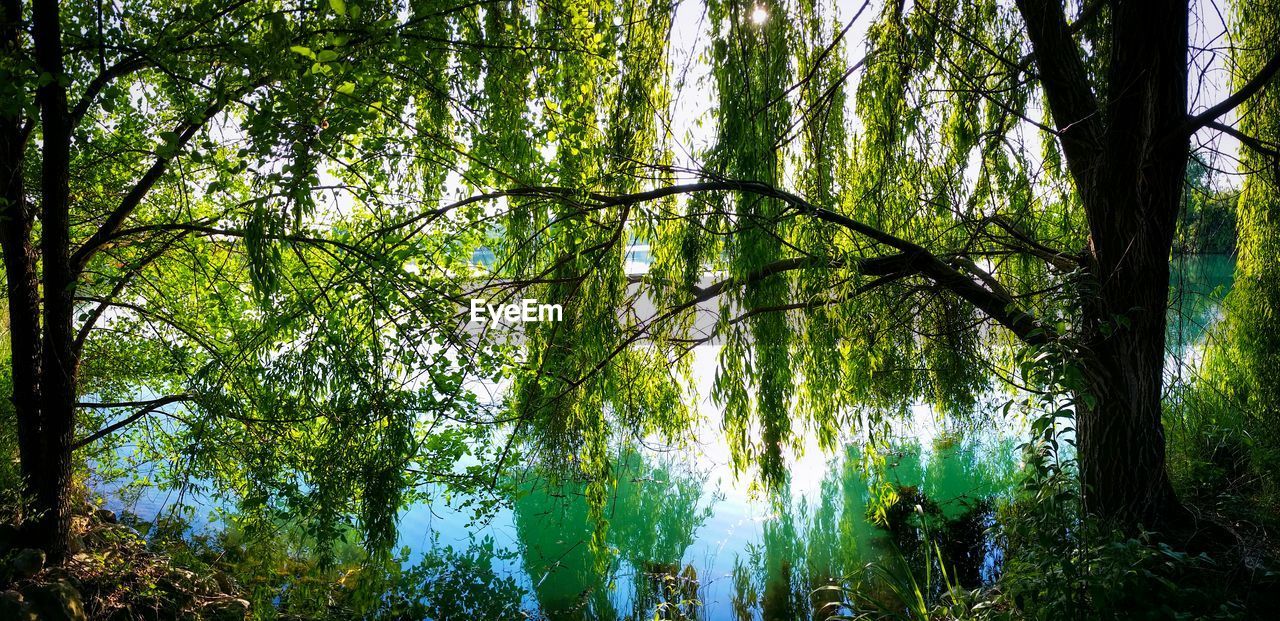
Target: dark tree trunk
x=1132, y=193
x=1120, y=436
x=1127, y=149
x=20, y=261
x=48, y=475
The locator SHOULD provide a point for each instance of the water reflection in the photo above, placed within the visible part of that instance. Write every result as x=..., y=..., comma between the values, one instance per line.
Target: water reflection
x=637, y=570
x=1197, y=285
x=869, y=507
x=915, y=500
x=683, y=538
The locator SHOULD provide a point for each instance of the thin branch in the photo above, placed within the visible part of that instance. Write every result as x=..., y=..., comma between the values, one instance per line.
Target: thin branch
x=185, y=132
x=83, y=334
x=99, y=82
x=1052, y=256
x=147, y=408
x=1250, y=88
x=914, y=257
x=1262, y=147
x=811, y=304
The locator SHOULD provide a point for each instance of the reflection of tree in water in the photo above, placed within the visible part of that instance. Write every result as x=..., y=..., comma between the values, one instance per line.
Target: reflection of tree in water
x=451, y=583
x=812, y=549
x=654, y=520
x=652, y=517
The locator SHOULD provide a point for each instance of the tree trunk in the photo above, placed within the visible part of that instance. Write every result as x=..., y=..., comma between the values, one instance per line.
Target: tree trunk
x=21, y=260
x=49, y=474
x=1131, y=187
x=1119, y=433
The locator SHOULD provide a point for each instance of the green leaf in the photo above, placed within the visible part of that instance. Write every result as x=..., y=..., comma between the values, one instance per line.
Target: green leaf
x=327, y=56
x=303, y=50
x=347, y=88
x=338, y=6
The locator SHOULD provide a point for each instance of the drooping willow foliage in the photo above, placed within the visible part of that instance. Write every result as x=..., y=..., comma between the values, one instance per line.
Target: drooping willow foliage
x=277, y=204
x=916, y=136
x=1242, y=367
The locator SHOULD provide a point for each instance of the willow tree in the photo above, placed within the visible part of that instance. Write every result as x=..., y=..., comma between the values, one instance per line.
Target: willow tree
x=207, y=233
x=160, y=157
x=1243, y=362
x=1008, y=186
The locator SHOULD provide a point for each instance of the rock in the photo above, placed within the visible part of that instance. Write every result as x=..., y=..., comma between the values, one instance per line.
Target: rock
x=13, y=607
x=56, y=601
x=224, y=583
x=60, y=573
x=180, y=587
x=207, y=586
x=122, y=531
x=192, y=582
x=75, y=545
x=185, y=578
x=26, y=563
x=230, y=609
x=106, y=516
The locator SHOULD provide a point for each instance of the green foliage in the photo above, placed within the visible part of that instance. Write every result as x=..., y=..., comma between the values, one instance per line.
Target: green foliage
x=10, y=474
x=1236, y=398
x=1218, y=459
x=826, y=343
x=268, y=277
x=281, y=577
x=291, y=269
x=895, y=592
x=1058, y=565
x=1060, y=562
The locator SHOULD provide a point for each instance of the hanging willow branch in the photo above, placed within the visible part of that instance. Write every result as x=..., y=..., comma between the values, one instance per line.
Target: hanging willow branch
x=910, y=258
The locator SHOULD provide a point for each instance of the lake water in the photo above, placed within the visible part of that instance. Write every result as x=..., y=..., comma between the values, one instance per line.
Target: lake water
x=686, y=538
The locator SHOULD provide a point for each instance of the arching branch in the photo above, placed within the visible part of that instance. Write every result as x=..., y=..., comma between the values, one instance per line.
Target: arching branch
x=1261, y=147
x=1249, y=89
x=82, y=334
x=101, y=81
x=1065, y=82
x=910, y=257
x=147, y=407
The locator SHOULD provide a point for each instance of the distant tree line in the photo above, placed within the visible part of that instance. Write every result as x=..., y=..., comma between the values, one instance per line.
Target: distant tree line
x=1207, y=224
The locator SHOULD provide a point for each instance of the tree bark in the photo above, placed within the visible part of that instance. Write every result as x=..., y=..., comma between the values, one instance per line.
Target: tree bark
x=1132, y=191
x=1127, y=154
x=20, y=261
x=49, y=475
x=1119, y=433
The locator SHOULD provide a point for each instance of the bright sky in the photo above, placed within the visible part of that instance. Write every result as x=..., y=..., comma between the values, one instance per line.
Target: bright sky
x=691, y=36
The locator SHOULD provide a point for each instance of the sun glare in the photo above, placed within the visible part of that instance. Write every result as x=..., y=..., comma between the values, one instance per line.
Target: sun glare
x=759, y=16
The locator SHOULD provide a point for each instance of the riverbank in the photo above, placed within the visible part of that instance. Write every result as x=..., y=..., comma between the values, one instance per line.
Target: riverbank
x=111, y=573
